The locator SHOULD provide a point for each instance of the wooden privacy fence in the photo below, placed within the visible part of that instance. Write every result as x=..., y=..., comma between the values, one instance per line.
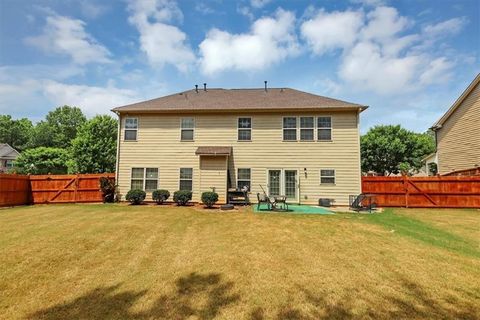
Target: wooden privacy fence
x=67, y=188
x=14, y=189
x=18, y=189
x=424, y=192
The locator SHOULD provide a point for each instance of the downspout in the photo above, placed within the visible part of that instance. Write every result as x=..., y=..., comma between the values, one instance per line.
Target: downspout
x=359, y=152
x=117, y=160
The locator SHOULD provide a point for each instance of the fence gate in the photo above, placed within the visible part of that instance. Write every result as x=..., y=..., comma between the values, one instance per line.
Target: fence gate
x=67, y=188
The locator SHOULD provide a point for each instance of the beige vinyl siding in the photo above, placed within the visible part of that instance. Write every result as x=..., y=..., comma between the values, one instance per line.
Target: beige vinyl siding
x=159, y=146
x=214, y=175
x=459, y=138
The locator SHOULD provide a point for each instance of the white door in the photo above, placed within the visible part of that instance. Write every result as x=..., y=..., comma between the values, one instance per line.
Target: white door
x=283, y=182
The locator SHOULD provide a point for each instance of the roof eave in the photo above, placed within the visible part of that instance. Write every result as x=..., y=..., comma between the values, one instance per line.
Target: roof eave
x=246, y=110
x=456, y=104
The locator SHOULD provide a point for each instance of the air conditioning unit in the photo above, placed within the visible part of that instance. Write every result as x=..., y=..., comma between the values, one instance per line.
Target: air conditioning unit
x=324, y=202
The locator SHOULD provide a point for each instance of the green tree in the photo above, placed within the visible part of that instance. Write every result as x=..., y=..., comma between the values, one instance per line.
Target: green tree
x=17, y=133
x=59, y=128
x=94, y=148
x=43, y=160
x=388, y=149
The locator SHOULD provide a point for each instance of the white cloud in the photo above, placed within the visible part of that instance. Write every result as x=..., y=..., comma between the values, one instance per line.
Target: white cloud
x=378, y=52
x=437, y=71
x=245, y=11
x=92, y=10
x=259, y=3
x=448, y=27
x=91, y=99
x=270, y=40
x=161, y=42
x=203, y=8
x=67, y=36
x=328, y=31
x=384, y=23
x=366, y=68
x=369, y=3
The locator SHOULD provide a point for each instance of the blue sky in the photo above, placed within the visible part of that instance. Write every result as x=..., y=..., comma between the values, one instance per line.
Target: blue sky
x=408, y=60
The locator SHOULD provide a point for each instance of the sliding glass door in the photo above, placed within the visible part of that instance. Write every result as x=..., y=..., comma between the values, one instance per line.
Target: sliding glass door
x=283, y=182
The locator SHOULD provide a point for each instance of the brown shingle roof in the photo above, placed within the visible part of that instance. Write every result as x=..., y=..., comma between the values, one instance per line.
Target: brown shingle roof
x=214, y=151
x=231, y=100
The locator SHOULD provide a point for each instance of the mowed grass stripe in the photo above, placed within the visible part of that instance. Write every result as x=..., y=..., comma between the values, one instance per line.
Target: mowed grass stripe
x=162, y=262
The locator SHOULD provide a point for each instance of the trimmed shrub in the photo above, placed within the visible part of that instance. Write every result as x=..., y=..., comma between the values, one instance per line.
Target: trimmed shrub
x=159, y=196
x=136, y=196
x=209, y=198
x=181, y=197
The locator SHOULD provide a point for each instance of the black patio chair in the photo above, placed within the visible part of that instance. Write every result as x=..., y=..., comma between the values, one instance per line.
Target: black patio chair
x=363, y=201
x=262, y=198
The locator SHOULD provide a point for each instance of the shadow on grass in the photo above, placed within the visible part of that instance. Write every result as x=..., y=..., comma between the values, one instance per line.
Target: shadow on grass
x=424, y=232
x=199, y=296
x=412, y=302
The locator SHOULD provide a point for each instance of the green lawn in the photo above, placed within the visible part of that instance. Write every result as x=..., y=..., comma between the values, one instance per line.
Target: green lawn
x=150, y=262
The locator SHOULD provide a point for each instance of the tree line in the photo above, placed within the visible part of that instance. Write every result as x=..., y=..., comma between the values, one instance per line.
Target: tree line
x=64, y=142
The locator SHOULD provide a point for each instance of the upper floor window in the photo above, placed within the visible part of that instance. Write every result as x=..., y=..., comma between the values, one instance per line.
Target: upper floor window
x=144, y=179
x=187, y=125
x=307, y=128
x=290, y=129
x=244, y=129
x=186, y=179
x=131, y=128
x=324, y=127
x=243, y=178
x=327, y=176
x=9, y=164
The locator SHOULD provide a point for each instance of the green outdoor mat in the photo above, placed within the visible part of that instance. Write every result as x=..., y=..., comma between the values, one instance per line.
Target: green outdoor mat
x=295, y=209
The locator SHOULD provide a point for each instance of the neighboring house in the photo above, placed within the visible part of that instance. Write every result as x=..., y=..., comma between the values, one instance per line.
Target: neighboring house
x=289, y=142
x=7, y=156
x=458, y=132
x=426, y=170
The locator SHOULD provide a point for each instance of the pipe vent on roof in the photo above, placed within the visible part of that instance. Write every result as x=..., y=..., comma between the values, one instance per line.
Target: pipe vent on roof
x=204, y=87
x=196, y=88
x=265, y=85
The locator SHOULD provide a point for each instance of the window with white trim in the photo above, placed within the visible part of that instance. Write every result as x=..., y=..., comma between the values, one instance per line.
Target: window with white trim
x=244, y=178
x=324, y=128
x=244, y=129
x=131, y=128
x=187, y=128
x=307, y=128
x=186, y=179
x=144, y=179
x=327, y=176
x=9, y=164
x=289, y=129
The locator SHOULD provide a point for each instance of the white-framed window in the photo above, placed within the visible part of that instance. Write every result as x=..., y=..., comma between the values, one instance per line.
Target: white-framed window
x=144, y=179
x=186, y=179
x=289, y=129
x=327, y=176
x=9, y=164
x=307, y=128
x=244, y=129
x=131, y=129
x=324, y=128
x=187, y=129
x=244, y=178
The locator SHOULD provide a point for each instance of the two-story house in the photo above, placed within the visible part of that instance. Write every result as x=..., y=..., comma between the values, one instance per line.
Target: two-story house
x=287, y=141
x=457, y=132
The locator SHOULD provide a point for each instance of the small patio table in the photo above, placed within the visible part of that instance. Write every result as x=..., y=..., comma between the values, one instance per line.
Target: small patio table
x=280, y=203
